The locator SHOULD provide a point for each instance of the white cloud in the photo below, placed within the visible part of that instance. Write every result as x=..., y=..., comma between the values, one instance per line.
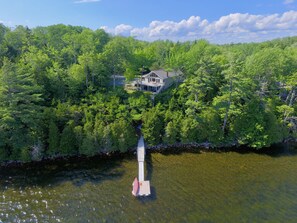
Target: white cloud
x=287, y=2
x=6, y=23
x=123, y=29
x=235, y=27
x=86, y=1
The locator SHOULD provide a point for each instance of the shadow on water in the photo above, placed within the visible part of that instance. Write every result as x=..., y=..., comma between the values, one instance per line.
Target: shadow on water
x=78, y=171
x=149, y=166
x=275, y=151
x=152, y=197
x=180, y=151
x=96, y=170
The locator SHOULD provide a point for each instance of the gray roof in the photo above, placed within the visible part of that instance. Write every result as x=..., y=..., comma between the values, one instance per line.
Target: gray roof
x=163, y=74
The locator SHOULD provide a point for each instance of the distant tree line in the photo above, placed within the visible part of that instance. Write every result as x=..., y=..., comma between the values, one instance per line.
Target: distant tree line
x=57, y=97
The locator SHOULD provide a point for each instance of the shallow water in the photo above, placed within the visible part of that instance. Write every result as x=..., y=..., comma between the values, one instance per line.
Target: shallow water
x=186, y=187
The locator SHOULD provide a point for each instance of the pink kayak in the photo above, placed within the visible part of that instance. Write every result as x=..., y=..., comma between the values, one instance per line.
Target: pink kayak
x=135, y=185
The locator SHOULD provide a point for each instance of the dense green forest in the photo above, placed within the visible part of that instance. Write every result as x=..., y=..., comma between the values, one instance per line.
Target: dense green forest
x=56, y=96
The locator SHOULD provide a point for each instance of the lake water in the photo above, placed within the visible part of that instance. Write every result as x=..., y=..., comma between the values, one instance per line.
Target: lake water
x=186, y=187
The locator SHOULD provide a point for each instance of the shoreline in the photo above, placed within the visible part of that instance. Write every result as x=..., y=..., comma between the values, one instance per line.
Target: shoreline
x=161, y=148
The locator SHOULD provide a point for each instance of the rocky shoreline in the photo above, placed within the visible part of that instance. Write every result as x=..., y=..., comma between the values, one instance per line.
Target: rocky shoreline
x=162, y=148
x=178, y=147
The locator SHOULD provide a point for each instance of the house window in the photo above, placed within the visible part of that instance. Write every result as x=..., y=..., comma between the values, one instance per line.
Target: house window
x=158, y=80
x=153, y=80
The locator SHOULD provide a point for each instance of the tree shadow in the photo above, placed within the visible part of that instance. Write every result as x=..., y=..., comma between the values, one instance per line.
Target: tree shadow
x=275, y=151
x=77, y=170
x=171, y=150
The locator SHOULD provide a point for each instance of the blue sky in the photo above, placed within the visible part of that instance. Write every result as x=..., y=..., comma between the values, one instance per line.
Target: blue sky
x=219, y=21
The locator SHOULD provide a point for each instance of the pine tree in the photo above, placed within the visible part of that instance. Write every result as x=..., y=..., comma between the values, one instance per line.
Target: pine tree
x=20, y=109
x=53, y=138
x=153, y=125
x=68, y=144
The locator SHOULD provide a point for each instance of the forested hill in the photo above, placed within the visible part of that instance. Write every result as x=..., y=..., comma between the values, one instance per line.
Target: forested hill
x=56, y=98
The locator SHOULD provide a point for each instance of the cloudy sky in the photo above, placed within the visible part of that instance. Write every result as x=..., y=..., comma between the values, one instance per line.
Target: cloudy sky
x=219, y=21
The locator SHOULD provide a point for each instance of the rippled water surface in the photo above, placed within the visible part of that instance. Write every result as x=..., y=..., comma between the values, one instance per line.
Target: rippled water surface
x=186, y=187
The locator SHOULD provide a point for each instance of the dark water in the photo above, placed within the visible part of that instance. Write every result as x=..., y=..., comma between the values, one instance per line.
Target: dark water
x=186, y=187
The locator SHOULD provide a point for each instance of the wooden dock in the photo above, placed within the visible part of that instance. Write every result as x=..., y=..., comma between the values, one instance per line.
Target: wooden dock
x=144, y=186
x=140, y=158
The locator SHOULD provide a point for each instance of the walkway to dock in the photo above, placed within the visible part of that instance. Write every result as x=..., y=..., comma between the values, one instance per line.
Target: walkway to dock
x=140, y=158
x=144, y=186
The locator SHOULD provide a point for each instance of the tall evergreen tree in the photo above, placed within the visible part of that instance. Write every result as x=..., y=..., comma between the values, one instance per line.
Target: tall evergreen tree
x=20, y=109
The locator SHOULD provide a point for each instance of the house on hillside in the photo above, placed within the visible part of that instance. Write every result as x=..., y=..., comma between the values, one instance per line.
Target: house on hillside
x=157, y=80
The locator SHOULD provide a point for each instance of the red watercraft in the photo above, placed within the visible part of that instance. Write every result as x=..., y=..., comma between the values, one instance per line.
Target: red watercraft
x=135, y=185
